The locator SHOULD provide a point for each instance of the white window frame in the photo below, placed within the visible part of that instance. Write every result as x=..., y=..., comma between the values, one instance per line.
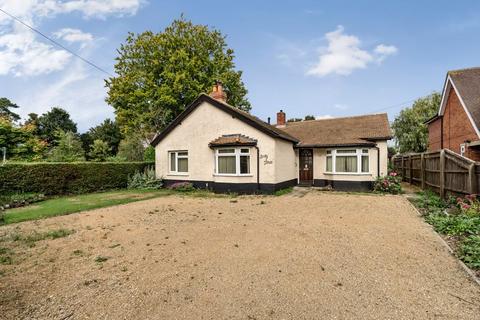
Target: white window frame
x=177, y=156
x=359, y=152
x=463, y=149
x=237, y=153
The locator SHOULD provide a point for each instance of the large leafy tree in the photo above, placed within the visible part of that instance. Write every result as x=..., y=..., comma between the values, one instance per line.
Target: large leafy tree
x=53, y=121
x=108, y=131
x=159, y=74
x=411, y=132
x=68, y=149
x=20, y=142
x=100, y=150
x=6, y=107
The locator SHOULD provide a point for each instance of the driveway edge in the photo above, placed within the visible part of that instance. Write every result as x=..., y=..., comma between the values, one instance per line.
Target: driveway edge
x=460, y=262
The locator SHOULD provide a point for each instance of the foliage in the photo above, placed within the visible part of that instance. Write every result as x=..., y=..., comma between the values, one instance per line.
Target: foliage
x=454, y=225
x=5, y=110
x=430, y=202
x=15, y=200
x=55, y=120
x=108, y=131
x=470, y=251
x=144, y=180
x=182, y=186
x=411, y=132
x=66, y=205
x=390, y=183
x=469, y=206
x=284, y=191
x=131, y=148
x=149, y=154
x=159, y=74
x=309, y=117
x=20, y=141
x=69, y=148
x=63, y=178
x=100, y=151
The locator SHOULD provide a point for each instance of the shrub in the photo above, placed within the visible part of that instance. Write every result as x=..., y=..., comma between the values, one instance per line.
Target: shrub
x=470, y=251
x=16, y=200
x=469, y=205
x=388, y=184
x=430, y=202
x=182, y=186
x=454, y=225
x=65, y=178
x=144, y=180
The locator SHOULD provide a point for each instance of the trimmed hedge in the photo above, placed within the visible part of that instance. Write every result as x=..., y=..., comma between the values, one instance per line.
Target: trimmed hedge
x=53, y=178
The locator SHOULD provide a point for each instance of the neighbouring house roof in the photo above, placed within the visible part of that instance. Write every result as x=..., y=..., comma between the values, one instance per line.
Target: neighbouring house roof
x=229, y=140
x=235, y=112
x=348, y=131
x=466, y=83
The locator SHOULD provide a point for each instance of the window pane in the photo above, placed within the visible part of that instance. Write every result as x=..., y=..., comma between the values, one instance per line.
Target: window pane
x=329, y=164
x=329, y=151
x=227, y=164
x=364, y=163
x=183, y=154
x=226, y=151
x=244, y=164
x=345, y=164
x=172, y=162
x=182, y=164
x=245, y=150
x=347, y=151
x=365, y=151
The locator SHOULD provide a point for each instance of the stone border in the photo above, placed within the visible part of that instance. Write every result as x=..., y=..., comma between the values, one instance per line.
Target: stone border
x=460, y=262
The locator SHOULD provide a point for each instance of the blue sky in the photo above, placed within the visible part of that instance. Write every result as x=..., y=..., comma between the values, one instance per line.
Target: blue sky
x=326, y=58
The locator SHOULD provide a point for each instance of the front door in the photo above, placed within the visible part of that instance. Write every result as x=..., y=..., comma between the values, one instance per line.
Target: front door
x=306, y=166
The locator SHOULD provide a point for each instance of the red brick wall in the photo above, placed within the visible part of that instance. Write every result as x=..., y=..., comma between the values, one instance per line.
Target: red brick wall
x=457, y=128
x=434, y=132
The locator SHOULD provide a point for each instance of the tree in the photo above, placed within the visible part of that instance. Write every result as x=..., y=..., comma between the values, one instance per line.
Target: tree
x=309, y=117
x=159, y=74
x=100, y=150
x=294, y=120
x=108, y=131
x=53, y=121
x=68, y=149
x=411, y=132
x=131, y=149
x=20, y=141
x=5, y=112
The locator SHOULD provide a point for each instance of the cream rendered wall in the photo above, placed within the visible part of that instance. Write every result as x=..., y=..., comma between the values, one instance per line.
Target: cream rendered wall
x=205, y=124
x=286, y=162
x=320, y=163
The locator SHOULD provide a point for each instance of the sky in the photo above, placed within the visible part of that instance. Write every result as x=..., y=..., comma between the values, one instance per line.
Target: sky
x=321, y=58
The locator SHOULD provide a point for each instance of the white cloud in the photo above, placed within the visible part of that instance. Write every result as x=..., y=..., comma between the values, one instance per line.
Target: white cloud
x=344, y=55
x=74, y=35
x=326, y=116
x=340, y=106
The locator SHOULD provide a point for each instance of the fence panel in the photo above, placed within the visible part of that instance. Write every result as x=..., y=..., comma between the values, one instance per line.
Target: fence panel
x=442, y=171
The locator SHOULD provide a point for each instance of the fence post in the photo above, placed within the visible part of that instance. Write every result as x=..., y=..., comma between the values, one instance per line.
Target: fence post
x=403, y=169
x=410, y=169
x=442, y=174
x=422, y=170
x=472, y=179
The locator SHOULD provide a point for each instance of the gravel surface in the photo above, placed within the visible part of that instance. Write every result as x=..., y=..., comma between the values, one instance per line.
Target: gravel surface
x=298, y=256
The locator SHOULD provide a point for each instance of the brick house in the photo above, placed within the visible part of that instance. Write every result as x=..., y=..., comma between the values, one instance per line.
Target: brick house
x=455, y=127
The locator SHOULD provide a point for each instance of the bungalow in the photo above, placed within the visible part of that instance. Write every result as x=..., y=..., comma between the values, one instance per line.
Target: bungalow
x=217, y=146
x=456, y=125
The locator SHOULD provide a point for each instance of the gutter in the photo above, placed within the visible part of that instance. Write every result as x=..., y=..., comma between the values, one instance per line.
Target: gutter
x=258, y=168
x=378, y=160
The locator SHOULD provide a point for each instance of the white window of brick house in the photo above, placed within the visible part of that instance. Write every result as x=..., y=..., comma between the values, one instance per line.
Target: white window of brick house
x=462, y=149
x=178, y=162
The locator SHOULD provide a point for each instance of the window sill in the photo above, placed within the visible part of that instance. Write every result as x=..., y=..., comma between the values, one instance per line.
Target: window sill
x=232, y=175
x=177, y=174
x=348, y=173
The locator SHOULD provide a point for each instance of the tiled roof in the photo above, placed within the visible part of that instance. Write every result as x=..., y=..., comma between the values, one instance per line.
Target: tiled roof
x=348, y=131
x=467, y=82
x=233, y=140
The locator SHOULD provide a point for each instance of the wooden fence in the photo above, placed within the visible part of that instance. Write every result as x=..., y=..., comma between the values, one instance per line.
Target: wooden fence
x=442, y=171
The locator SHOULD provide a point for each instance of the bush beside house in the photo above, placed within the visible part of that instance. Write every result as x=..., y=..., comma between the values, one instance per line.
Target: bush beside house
x=64, y=178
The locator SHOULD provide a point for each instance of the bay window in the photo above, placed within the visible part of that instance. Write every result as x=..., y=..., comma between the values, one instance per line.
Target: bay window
x=178, y=161
x=232, y=161
x=347, y=161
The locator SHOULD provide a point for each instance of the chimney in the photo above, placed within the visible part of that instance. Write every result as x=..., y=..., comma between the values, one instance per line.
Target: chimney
x=218, y=93
x=281, y=119
x=268, y=120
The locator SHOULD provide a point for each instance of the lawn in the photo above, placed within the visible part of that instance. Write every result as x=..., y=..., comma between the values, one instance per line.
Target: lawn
x=70, y=204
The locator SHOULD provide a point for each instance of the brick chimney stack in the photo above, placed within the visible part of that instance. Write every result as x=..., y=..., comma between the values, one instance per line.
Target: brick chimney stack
x=218, y=93
x=281, y=116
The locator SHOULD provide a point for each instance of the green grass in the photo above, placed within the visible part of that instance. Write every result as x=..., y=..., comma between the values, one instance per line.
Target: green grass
x=281, y=192
x=71, y=204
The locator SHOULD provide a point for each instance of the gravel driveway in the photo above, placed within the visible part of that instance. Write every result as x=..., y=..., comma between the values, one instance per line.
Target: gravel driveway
x=320, y=256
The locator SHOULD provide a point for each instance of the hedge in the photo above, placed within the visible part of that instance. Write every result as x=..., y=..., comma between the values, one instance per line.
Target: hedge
x=53, y=178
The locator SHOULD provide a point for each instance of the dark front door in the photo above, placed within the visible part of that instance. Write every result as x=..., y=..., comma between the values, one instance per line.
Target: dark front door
x=306, y=166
